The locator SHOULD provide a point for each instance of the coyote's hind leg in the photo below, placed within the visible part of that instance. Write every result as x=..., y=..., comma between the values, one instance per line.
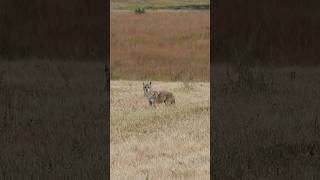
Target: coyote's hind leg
x=169, y=102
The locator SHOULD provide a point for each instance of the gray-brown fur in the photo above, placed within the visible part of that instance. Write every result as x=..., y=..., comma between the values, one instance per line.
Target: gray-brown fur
x=155, y=97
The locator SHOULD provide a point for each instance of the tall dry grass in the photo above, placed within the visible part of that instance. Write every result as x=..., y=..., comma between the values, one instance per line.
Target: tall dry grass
x=160, y=46
x=162, y=142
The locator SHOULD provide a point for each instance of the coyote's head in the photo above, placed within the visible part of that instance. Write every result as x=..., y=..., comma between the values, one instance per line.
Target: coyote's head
x=146, y=88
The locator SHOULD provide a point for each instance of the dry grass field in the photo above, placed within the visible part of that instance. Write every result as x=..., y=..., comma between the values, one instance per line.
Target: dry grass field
x=164, y=46
x=162, y=142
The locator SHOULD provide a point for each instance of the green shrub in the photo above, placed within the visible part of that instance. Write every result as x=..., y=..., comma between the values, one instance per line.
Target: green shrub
x=139, y=10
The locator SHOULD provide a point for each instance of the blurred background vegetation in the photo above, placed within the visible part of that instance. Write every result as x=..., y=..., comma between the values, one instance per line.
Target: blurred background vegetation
x=71, y=29
x=267, y=32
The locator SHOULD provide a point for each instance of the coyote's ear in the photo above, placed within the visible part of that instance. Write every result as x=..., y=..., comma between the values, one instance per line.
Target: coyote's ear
x=150, y=82
x=143, y=83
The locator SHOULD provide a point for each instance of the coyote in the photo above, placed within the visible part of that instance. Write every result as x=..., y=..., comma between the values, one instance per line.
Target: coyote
x=157, y=97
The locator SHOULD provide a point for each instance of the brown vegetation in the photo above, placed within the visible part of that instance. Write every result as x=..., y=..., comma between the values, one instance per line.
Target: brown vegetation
x=160, y=46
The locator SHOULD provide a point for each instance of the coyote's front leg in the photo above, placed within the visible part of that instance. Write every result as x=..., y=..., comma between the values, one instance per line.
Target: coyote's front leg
x=152, y=102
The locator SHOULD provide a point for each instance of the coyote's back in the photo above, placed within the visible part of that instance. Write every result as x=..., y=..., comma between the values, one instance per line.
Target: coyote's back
x=165, y=97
